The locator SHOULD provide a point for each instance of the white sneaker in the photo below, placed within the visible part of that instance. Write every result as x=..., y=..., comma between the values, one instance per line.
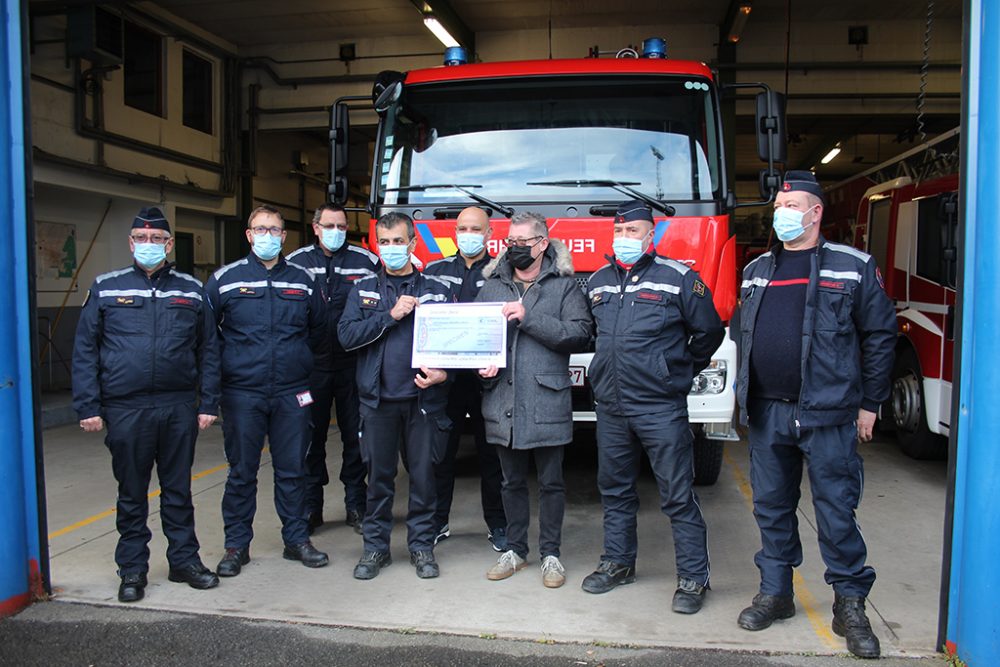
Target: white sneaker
x=508, y=563
x=553, y=572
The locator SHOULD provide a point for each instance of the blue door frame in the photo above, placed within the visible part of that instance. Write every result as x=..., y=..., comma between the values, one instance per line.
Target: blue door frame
x=972, y=578
x=21, y=559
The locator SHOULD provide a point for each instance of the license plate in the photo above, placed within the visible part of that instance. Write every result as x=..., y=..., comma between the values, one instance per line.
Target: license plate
x=577, y=374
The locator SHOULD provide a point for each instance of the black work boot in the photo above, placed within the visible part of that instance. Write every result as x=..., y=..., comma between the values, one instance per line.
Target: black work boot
x=233, y=561
x=688, y=597
x=306, y=554
x=132, y=588
x=851, y=622
x=766, y=609
x=607, y=576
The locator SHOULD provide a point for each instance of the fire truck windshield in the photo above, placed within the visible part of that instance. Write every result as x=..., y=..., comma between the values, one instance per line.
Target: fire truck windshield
x=659, y=132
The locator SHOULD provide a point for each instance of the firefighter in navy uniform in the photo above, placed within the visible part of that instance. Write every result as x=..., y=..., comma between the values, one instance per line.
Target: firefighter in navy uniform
x=464, y=272
x=401, y=407
x=656, y=330
x=271, y=316
x=824, y=304
x=336, y=265
x=145, y=352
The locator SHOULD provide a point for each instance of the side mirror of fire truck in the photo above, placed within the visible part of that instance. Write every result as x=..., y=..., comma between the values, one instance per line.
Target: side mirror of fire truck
x=771, y=130
x=340, y=126
x=387, y=96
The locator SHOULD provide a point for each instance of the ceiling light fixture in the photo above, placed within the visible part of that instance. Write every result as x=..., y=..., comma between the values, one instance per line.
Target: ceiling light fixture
x=439, y=31
x=739, y=22
x=828, y=158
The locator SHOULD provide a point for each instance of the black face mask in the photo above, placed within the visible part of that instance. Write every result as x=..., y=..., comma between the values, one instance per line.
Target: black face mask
x=520, y=257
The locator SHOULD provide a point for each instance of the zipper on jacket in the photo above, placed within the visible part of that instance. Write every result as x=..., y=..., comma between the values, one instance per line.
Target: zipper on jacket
x=811, y=290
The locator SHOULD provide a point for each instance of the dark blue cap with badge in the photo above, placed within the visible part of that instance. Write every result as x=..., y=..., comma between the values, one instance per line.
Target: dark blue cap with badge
x=802, y=181
x=633, y=210
x=151, y=217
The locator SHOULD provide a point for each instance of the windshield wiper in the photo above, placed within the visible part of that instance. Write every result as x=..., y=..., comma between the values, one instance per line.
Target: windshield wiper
x=620, y=186
x=464, y=189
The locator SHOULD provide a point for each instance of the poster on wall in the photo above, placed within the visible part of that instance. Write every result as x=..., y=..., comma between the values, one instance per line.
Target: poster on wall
x=55, y=256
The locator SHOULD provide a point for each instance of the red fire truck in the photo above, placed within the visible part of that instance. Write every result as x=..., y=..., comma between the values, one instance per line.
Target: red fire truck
x=571, y=139
x=907, y=220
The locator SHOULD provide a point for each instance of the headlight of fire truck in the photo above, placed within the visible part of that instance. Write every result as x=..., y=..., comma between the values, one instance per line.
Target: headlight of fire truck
x=712, y=380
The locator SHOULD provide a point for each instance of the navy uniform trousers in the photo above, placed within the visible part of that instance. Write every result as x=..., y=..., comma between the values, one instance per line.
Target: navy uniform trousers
x=465, y=397
x=138, y=438
x=836, y=478
x=338, y=385
x=667, y=440
x=393, y=428
x=247, y=420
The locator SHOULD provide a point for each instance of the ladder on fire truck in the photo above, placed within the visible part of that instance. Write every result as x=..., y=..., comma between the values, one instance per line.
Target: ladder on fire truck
x=931, y=159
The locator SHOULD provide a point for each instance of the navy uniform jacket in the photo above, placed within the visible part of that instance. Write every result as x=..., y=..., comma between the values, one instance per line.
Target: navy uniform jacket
x=270, y=323
x=656, y=330
x=336, y=274
x=465, y=282
x=362, y=327
x=144, y=342
x=848, y=334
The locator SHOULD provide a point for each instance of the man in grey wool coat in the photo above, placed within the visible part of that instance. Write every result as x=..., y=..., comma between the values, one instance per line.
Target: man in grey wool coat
x=526, y=406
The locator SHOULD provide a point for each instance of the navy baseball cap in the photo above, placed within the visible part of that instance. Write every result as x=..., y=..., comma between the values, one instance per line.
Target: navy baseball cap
x=802, y=181
x=151, y=217
x=633, y=210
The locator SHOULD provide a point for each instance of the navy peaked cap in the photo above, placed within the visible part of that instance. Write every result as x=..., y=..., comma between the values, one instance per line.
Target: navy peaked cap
x=151, y=217
x=802, y=181
x=633, y=210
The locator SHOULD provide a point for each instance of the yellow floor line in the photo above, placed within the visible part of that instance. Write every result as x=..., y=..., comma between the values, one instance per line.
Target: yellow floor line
x=108, y=512
x=806, y=598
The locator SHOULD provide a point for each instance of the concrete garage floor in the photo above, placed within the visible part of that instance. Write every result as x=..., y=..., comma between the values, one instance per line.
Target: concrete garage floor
x=902, y=515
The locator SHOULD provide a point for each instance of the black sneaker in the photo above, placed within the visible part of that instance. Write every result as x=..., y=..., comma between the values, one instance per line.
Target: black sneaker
x=306, y=554
x=443, y=534
x=688, y=597
x=371, y=564
x=423, y=561
x=765, y=609
x=133, y=587
x=194, y=575
x=851, y=622
x=608, y=575
x=234, y=560
x=498, y=538
x=354, y=519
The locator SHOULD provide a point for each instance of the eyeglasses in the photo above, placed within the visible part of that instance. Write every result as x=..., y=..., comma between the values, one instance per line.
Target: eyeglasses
x=273, y=231
x=523, y=242
x=158, y=239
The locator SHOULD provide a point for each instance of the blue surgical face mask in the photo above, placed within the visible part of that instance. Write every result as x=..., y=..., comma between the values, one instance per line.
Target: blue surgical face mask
x=470, y=245
x=394, y=256
x=333, y=239
x=788, y=223
x=149, y=255
x=628, y=251
x=266, y=246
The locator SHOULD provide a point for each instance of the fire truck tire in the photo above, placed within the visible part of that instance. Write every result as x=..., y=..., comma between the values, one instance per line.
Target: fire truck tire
x=707, y=460
x=909, y=411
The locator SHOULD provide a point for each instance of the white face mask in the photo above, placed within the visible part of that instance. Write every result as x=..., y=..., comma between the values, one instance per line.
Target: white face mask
x=788, y=223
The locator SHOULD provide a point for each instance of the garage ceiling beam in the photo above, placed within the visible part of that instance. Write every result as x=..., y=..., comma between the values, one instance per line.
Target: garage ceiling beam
x=449, y=18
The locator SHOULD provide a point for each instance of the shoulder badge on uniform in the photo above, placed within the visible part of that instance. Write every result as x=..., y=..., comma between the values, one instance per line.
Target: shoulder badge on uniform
x=698, y=288
x=247, y=290
x=878, y=277
x=125, y=300
x=596, y=299
x=369, y=302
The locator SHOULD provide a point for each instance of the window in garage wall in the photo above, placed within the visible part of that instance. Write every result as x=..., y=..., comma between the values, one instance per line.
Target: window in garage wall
x=197, y=92
x=143, y=65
